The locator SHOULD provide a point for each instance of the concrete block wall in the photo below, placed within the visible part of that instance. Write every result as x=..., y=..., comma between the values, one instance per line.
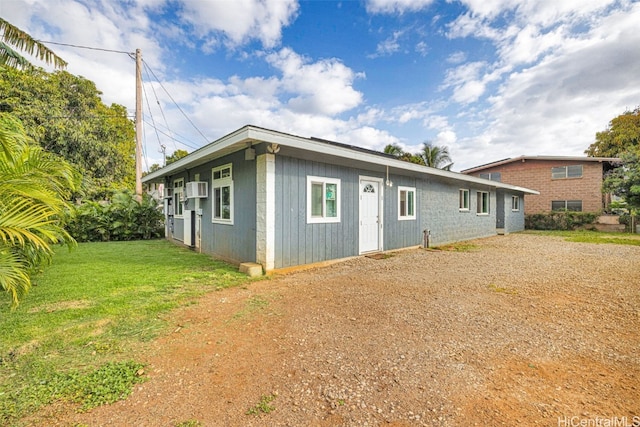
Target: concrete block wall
x=536, y=174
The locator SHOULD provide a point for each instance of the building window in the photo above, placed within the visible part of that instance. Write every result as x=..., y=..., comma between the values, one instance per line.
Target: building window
x=493, y=176
x=222, y=192
x=515, y=203
x=323, y=199
x=464, y=200
x=483, y=203
x=406, y=203
x=564, y=172
x=566, y=205
x=178, y=197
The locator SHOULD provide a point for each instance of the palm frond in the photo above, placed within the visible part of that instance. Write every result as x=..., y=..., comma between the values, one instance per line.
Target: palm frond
x=24, y=42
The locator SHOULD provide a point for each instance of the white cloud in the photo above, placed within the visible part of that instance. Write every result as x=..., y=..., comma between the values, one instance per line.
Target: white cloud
x=388, y=46
x=396, y=6
x=240, y=20
x=322, y=87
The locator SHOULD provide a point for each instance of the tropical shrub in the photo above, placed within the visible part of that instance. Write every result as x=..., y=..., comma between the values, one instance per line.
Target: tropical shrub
x=119, y=219
x=34, y=188
x=559, y=220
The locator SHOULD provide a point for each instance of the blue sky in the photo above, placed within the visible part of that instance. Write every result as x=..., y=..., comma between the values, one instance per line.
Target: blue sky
x=488, y=79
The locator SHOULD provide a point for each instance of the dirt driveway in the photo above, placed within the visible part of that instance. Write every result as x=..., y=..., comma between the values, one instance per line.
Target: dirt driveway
x=521, y=330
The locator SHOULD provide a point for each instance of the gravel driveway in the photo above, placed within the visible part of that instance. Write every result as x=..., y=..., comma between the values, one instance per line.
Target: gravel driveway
x=519, y=330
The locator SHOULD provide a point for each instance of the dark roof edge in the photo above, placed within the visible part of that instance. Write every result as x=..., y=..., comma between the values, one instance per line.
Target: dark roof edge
x=524, y=158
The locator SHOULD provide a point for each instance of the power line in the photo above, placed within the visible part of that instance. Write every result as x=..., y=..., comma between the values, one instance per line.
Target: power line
x=87, y=47
x=175, y=103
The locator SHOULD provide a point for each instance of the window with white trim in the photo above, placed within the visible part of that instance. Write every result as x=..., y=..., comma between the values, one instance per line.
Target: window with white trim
x=406, y=203
x=483, y=203
x=222, y=194
x=323, y=199
x=564, y=172
x=492, y=176
x=463, y=204
x=515, y=203
x=178, y=193
x=566, y=205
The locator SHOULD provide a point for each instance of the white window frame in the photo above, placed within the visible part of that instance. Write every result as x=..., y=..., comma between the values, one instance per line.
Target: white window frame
x=480, y=199
x=562, y=172
x=408, y=215
x=464, y=196
x=515, y=203
x=566, y=205
x=323, y=218
x=178, y=198
x=219, y=183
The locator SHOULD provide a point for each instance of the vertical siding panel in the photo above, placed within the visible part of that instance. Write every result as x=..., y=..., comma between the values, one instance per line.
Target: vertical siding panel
x=284, y=212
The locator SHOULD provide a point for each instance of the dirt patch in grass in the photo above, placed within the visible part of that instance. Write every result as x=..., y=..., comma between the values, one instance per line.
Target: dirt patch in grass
x=522, y=330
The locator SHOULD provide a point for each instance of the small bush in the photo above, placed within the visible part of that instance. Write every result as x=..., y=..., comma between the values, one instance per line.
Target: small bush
x=120, y=219
x=559, y=220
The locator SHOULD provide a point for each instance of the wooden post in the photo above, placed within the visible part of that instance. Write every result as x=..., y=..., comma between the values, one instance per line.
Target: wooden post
x=139, y=125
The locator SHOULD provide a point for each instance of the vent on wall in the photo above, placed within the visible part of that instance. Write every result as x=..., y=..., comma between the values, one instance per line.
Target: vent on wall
x=197, y=190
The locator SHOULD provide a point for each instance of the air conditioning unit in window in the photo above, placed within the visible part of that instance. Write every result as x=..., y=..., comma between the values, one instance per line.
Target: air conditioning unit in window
x=197, y=190
x=168, y=193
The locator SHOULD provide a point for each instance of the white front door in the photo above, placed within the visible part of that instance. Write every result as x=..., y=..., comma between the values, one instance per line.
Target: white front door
x=370, y=215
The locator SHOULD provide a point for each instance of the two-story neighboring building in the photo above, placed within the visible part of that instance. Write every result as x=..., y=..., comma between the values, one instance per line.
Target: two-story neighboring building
x=572, y=183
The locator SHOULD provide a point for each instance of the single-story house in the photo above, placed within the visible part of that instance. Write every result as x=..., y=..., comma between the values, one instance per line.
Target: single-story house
x=280, y=200
x=564, y=182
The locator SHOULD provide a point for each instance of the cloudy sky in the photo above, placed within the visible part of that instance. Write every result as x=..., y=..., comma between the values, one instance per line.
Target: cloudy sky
x=489, y=79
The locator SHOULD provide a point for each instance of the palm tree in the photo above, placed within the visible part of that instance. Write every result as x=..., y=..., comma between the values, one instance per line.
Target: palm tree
x=34, y=188
x=394, y=150
x=436, y=156
x=12, y=35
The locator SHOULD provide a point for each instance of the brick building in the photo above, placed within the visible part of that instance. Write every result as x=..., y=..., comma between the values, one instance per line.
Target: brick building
x=573, y=183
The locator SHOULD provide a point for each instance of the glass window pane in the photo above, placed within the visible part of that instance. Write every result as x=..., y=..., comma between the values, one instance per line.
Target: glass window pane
x=403, y=203
x=216, y=175
x=559, y=172
x=226, y=202
x=332, y=203
x=496, y=176
x=574, y=171
x=410, y=202
x=574, y=205
x=225, y=173
x=217, y=208
x=316, y=199
x=558, y=205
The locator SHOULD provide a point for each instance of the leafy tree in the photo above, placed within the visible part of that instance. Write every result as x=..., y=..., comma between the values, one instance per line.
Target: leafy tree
x=65, y=115
x=34, y=188
x=394, y=150
x=624, y=181
x=622, y=134
x=13, y=35
x=429, y=156
x=436, y=156
x=177, y=155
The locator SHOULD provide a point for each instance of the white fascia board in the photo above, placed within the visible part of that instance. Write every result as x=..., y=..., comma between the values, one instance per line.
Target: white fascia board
x=320, y=147
x=184, y=163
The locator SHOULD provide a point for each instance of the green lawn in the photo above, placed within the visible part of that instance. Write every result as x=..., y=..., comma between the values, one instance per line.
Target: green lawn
x=86, y=313
x=586, y=236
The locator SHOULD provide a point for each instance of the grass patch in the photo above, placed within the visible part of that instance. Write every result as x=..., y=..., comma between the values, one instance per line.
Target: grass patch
x=263, y=407
x=588, y=236
x=502, y=290
x=88, y=312
x=456, y=247
x=253, y=304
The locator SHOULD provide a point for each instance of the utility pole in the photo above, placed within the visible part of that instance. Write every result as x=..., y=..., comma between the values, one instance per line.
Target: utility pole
x=139, y=124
